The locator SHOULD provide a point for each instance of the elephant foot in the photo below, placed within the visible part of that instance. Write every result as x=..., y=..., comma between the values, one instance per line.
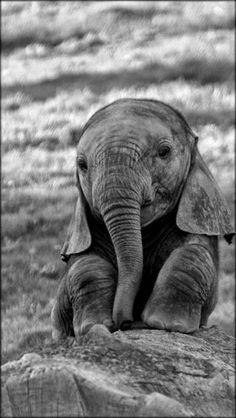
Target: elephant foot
x=98, y=334
x=172, y=317
x=60, y=333
x=88, y=326
x=102, y=338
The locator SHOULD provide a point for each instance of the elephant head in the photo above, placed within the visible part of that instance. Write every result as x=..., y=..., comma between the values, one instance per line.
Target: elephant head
x=137, y=160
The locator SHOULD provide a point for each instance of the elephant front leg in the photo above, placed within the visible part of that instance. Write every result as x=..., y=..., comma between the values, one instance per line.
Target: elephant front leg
x=185, y=289
x=85, y=298
x=91, y=283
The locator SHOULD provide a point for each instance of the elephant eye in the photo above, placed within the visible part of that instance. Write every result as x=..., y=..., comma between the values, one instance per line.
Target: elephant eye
x=82, y=164
x=164, y=151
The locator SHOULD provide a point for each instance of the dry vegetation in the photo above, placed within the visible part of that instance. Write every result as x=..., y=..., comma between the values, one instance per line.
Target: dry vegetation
x=61, y=61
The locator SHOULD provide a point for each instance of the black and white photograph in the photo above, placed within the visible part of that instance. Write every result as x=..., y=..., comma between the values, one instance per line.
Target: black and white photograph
x=118, y=208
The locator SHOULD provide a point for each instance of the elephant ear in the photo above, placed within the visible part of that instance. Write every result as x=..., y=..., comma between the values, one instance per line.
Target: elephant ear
x=202, y=208
x=78, y=237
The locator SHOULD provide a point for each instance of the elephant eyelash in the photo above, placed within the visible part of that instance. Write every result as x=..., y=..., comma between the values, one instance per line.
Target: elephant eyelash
x=82, y=164
x=164, y=151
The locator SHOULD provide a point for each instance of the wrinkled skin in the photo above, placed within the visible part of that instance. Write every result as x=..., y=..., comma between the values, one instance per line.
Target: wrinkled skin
x=142, y=246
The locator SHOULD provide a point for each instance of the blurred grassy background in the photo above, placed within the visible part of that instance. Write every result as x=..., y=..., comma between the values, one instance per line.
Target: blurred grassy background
x=61, y=61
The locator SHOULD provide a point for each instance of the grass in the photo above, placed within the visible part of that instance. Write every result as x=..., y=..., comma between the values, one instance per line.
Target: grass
x=52, y=121
x=61, y=61
x=50, y=24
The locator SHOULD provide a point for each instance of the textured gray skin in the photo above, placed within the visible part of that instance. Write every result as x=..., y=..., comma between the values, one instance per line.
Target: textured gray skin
x=142, y=246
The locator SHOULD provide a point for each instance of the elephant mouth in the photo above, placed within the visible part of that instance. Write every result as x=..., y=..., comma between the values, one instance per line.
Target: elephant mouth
x=147, y=215
x=160, y=205
x=153, y=211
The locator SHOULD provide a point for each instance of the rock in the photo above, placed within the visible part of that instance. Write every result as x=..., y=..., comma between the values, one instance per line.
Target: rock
x=134, y=373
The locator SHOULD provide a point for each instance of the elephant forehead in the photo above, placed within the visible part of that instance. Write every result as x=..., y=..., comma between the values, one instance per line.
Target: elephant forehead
x=124, y=130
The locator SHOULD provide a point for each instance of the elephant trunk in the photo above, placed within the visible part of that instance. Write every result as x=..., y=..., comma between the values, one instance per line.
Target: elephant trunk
x=118, y=200
x=122, y=219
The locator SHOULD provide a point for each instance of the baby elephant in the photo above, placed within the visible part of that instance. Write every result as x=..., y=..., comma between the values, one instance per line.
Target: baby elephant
x=142, y=245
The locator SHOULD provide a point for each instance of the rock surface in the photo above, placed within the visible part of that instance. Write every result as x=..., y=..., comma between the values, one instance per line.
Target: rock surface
x=131, y=373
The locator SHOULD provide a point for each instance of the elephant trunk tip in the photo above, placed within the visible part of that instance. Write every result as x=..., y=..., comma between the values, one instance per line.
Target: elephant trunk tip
x=123, y=305
x=122, y=320
x=125, y=325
